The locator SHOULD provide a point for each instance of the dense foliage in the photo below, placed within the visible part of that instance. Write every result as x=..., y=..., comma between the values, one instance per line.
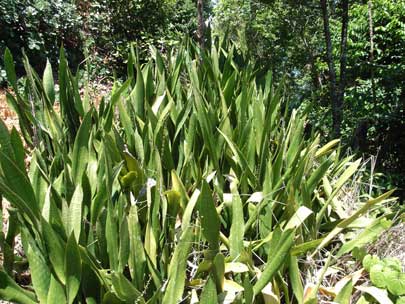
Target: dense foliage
x=190, y=181
x=379, y=105
x=99, y=31
x=283, y=36
x=112, y=25
x=39, y=28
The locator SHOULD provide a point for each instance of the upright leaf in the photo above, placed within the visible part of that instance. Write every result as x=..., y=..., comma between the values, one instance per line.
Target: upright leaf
x=40, y=273
x=137, y=259
x=10, y=69
x=73, y=268
x=56, y=293
x=237, y=227
x=56, y=250
x=80, y=148
x=48, y=83
x=177, y=269
x=75, y=212
x=280, y=248
x=209, y=218
x=209, y=293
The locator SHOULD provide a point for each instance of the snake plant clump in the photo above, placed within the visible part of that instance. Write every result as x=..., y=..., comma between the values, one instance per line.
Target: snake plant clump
x=191, y=182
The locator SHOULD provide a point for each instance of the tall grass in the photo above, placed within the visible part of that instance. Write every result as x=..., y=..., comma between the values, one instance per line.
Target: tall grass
x=193, y=181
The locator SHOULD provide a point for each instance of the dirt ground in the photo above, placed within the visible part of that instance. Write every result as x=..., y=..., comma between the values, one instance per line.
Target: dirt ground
x=11, y=120
x=7, y=115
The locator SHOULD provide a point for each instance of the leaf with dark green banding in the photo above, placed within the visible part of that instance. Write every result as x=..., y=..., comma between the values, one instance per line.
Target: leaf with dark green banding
x=75, y=212
x=177, y=269
x=48, y=83
x=73, y=268
x=280, y=248
x=209, y=218
x=10, y=69
x=40, y=273
x=56, y=250
x=56, y=293
x=125, y=290
x=80, y=148
x=238, y=223
x=209, y=293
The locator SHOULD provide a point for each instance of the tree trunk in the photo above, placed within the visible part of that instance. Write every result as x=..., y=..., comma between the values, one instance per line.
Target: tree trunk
x=343, y=54
x=370, y=22
x=200, y=32
x=336, y=106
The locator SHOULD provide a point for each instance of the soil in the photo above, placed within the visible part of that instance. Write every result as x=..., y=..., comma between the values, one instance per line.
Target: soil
x=11, y=120
x=8, y=116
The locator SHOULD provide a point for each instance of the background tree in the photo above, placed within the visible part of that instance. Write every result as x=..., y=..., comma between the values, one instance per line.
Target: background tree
x=39, y=28
x=337, y=87
x=283, y=36
x=98, y=30
x=383, y=74
x=371, y=29
x=201, y=25
x=334, y=94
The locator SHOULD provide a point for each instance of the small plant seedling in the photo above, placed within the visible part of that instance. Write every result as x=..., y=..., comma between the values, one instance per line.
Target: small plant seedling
x=386, y=273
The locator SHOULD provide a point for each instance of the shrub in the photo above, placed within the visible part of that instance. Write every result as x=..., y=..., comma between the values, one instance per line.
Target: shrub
x=111, y=26
x=40, y=28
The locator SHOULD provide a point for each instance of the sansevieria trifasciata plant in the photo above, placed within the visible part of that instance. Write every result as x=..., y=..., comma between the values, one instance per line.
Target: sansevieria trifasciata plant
x=191, y=182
